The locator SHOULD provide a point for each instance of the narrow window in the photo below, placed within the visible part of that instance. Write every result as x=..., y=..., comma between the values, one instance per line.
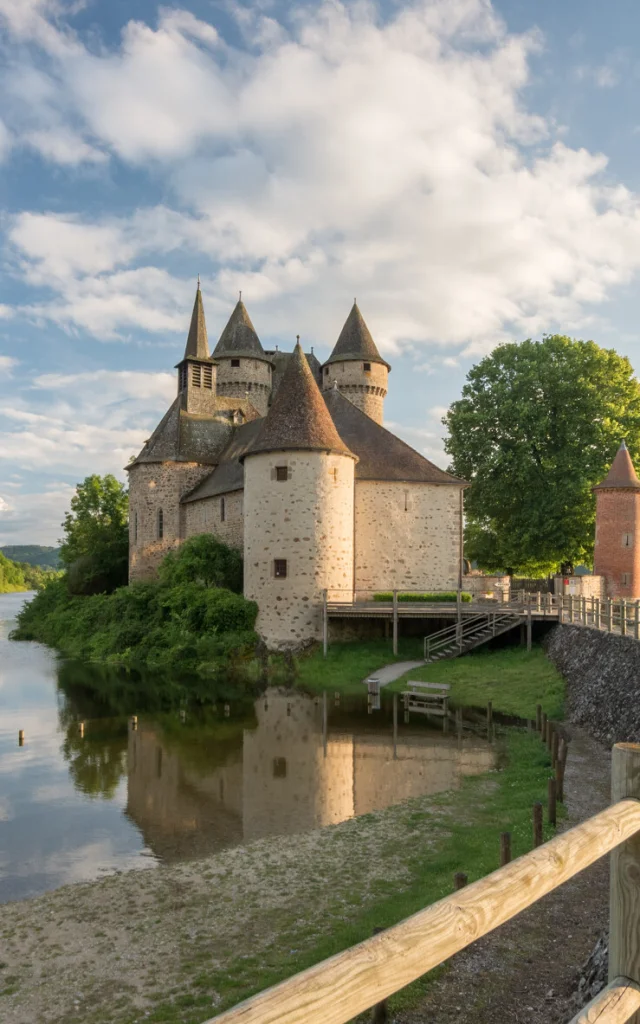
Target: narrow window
x=208, y=377
x=367, y=367
x=235, y=362
x=326, y=371
x=135, y=527
x=196, y=375
x=627, y=540
x=406, y=501
x=160, y=524
x=183, y=377
x=334, y=474
x=626, y=579
x=223, y=510
x=280, y=568
x=279, y=767
x=282, y=473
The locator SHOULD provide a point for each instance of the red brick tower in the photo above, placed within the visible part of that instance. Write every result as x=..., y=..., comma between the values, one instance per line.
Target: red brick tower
x=617, y=547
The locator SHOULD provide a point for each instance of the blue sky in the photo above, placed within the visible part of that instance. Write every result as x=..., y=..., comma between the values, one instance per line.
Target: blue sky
x=471, y=172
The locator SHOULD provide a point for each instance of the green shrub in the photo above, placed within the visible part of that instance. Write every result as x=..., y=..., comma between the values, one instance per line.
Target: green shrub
x=435, y=598
x=205, y=560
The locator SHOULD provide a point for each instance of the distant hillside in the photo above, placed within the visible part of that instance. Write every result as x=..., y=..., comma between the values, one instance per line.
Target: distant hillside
x=33, y=554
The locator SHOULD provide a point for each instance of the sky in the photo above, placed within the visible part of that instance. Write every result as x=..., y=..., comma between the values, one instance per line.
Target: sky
x=469, y=171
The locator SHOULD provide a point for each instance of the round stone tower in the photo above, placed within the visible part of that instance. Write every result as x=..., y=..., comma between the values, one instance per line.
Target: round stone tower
x=617, y=547
x=357, y=367
x=244, y=371
x=298, y=512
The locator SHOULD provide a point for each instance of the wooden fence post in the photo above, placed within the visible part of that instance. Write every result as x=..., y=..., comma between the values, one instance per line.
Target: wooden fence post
x=538, y=717
x=551, y=802
x=505, y=848
x=379, y=1013
x=537, y=824
x=560, y=778
x=395, y=622
x=459, y=880
x=543, y=730
x=609, y=614
x=597, y=613
x=554, y=748
x=624, y=917
x=593, y=610
x=623, y=617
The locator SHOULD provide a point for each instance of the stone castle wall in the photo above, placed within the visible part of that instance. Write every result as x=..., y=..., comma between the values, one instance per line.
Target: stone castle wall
x=306, y=519
x=366, y=390
x=252, y=380
x=197, y=398
x=407, y=536
x=206, y=517
x=154, y=486
x=617, y=547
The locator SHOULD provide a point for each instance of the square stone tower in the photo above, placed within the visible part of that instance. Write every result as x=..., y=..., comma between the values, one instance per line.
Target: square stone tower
x=617, y=545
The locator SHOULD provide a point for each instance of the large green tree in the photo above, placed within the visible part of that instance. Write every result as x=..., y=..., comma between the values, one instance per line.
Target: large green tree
x=95, y=546
x=537, y=426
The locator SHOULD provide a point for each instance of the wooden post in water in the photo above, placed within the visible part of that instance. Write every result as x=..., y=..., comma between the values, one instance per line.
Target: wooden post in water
x=624, y=906
x=395, y=727
x=459, y=880
x=505, y=848
x=551, y=802
x=395, y=622
x=537, y=824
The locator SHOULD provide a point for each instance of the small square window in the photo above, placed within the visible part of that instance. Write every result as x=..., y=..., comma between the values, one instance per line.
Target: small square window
x=282, y=473
x=235, y=362
x=280, y=568
x=279, y=767
x=367, y=367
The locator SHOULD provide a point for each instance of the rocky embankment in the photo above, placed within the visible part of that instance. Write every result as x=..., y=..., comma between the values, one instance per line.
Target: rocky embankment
x=602, y=672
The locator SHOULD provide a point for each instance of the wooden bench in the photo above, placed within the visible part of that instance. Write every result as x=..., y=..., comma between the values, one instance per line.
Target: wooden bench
x=427, y=698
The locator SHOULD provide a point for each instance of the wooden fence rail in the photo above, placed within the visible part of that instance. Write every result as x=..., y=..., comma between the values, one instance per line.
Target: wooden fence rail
x=336, y=990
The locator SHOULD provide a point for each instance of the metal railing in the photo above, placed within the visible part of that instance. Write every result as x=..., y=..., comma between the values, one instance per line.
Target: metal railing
x=336, y=990
x=460, y=634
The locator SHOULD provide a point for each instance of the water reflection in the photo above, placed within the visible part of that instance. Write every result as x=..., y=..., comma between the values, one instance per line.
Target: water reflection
x=88, y=793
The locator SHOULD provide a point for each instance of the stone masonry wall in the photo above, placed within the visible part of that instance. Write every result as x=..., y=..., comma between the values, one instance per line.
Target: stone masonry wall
x=199, y=399
x=617, y=521
x=407, y=536
x=602, y=672
x=499, y=586
x=366, y=390
x=252, y=380
x=307, y=520
x=154, y=486
x=205, y=517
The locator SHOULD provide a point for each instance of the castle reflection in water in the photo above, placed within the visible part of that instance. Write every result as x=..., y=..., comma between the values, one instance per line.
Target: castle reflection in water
x=290, y=773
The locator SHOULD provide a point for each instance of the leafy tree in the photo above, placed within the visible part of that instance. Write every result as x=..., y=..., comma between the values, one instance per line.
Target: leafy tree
x=95, y=547
x=537, y=426
x=203, y=559
x=11, y=576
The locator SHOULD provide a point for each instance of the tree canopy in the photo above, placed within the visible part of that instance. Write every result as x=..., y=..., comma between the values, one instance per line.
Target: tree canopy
x=95, y=546
x=536, y=428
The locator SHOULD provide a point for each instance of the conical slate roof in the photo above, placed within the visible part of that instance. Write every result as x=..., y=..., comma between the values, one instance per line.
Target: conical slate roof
x=298, y=420
x=355, y=341
x=197, y=346
x=621, y=474
x=239, y=337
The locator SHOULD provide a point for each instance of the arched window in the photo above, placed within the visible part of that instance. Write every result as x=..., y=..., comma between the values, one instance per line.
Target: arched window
x=160, y=524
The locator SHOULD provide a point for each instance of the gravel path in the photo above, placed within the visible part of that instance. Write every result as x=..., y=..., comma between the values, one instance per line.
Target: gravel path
x=527, y=970
x=389, y=673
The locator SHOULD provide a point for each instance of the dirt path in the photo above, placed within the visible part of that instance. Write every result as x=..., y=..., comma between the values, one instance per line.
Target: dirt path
x=389, y=673
x=526, y=970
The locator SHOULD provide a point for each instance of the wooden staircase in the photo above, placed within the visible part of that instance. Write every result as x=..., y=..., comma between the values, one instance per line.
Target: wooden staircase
x=472, y=631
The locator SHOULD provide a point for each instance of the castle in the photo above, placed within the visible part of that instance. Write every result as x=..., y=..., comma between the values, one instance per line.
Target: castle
x=287, y=459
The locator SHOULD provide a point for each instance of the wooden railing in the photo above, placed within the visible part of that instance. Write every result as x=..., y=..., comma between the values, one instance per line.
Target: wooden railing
x=336, y=990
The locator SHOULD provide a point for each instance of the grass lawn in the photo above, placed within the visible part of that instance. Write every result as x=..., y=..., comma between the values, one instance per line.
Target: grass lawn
x=513, y=678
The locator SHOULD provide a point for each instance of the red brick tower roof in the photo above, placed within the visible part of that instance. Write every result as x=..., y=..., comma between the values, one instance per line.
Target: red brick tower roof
x=621, y=475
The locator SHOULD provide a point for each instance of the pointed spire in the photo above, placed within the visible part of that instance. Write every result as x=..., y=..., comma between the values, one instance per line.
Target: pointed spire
x=197, y=342
x=355, y=341
x=298, y=420
x=239, y=337
x=622, y=473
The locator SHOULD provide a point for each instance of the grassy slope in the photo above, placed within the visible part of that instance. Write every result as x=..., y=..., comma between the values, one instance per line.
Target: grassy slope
x=514, y=679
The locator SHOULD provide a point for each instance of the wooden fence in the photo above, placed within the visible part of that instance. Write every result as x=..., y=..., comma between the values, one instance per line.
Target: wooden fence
x=336, y=990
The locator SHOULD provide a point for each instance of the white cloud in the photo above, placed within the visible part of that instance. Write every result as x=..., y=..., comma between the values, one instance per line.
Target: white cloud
x=341, y=154
x=7, y=364
x=62, y=146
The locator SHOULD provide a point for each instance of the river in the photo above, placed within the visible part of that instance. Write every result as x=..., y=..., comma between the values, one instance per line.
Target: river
x=107, y=779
